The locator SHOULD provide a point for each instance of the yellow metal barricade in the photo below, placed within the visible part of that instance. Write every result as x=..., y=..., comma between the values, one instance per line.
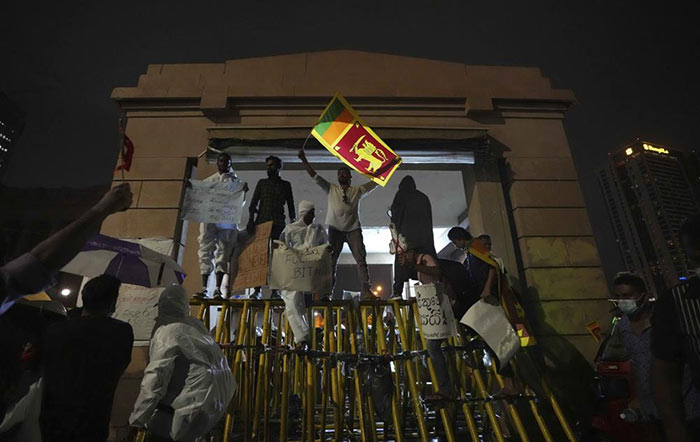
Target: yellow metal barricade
x=285, y=392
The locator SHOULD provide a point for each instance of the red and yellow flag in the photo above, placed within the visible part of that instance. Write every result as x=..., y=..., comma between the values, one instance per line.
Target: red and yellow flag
x=341, y=131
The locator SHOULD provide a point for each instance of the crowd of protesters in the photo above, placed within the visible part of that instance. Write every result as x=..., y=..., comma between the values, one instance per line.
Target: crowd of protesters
x=58, y=376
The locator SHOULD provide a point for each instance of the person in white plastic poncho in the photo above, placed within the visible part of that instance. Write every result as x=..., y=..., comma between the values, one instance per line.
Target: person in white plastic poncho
x=301, y=234
x=188, y=383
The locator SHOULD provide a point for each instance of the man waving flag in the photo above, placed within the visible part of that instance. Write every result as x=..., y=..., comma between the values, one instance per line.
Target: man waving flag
x=341, y=131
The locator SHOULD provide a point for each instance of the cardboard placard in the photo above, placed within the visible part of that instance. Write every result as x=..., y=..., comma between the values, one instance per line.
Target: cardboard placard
x=491, y=323
x=301, y=270
x=213, y=202
x=436, y=317
x=253, y=260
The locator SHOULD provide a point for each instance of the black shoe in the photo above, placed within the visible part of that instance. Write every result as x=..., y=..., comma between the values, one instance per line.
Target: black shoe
x=201, y=294
x=218, y=295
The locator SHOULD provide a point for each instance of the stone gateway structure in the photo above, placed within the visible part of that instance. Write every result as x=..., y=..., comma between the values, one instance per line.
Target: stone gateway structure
x=487, y=142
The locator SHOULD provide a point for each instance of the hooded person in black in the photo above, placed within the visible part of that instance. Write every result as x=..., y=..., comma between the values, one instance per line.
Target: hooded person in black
x=412, y=216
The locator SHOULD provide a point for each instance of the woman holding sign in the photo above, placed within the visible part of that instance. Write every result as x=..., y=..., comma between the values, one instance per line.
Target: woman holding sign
x=426, y=266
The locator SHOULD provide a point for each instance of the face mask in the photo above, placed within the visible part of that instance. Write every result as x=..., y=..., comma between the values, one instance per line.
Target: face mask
x=627, y=306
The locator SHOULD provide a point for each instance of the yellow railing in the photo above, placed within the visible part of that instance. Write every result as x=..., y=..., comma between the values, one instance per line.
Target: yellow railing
x=319, y=393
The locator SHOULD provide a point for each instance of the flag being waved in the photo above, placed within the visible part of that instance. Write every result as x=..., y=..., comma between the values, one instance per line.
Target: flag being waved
x=341, y=131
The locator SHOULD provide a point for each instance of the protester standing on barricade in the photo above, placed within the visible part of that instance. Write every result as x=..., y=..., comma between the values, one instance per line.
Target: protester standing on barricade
x=302, y=234
x=269, y=198
x=412, y=217
x=675, y=341
x=428, y=272
x=217, y=240
x=343, y=219
x=83, y=360
x=188, y=383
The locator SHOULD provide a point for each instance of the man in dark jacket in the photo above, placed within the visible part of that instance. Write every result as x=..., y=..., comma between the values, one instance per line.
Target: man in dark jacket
x=412, y=216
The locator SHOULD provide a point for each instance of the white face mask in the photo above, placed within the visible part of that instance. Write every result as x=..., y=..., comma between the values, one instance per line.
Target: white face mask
x=628, y=306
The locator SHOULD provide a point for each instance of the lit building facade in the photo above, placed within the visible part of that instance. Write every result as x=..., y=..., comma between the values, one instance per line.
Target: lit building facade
x=485, y=143
x=11, y=126
x=648, y=191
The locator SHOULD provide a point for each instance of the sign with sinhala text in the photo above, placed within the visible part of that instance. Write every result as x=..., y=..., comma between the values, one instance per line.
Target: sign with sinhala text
x=301, y=270
x=436, y=317
x=252, y=262
x=213, y=202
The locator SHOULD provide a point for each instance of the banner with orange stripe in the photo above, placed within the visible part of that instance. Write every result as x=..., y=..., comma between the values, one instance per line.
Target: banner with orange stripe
x=340, y=130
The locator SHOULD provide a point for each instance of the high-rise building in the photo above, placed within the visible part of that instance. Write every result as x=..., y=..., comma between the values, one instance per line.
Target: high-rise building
x=649, y=190
x=11, y=126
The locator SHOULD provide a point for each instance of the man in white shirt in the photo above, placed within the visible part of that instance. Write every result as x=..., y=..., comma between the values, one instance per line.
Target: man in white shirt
x=217, y=241
x=300, y=235
x=343, y=219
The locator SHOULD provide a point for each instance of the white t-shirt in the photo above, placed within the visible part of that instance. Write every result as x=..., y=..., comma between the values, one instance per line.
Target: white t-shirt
x=344, y=205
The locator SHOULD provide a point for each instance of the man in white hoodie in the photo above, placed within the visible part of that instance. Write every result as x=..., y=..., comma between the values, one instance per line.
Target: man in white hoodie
x=217, y=240
x=188, y=383
x=300, y=235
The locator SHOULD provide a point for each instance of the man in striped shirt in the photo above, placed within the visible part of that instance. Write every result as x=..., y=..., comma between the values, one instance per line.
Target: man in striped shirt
x=675, y=341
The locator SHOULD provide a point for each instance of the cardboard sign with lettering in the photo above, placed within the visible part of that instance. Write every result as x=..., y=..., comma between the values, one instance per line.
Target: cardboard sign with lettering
x=436, y=317
x=213, y=202
x=301, y=270
x=253, y=260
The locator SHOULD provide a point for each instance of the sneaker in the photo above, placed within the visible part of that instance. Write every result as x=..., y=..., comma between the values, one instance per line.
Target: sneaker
x=275, y=295
x=218, y=294
x=255, y=295
x=202, y=294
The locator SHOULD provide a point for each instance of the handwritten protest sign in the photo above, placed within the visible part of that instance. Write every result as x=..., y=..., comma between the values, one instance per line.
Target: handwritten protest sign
x=213, y=202
x=139, y=307
x=301, y=270
x=252, y=262
x=437, y=319
x=491, y=323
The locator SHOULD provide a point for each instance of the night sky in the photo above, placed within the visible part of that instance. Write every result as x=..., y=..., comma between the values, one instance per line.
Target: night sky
x=631, y=66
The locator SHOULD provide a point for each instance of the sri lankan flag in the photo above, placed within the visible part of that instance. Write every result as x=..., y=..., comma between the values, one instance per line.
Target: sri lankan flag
x=341, y=131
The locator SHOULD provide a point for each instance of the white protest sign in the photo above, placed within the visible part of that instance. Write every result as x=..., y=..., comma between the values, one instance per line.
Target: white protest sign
x=213, y=202
x=139, y=305
x=436, y=317
x=491, y=323
x=301, y=270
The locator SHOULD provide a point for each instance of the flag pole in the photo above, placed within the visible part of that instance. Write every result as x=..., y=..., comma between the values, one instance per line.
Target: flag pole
x=307, y=139
x=122, y=121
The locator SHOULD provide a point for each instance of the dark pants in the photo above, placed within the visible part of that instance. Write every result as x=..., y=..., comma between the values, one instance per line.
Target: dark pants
x=442, y=373
x=336, y=238
x=401, y=275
